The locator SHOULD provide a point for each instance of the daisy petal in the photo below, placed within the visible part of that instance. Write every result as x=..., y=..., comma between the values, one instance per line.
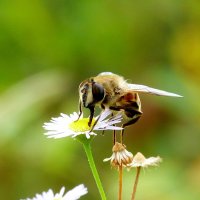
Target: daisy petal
x=73, y=194
x=68, y=126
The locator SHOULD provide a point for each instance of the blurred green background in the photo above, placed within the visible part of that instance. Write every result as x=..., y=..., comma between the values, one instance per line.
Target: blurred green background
x=48, y=47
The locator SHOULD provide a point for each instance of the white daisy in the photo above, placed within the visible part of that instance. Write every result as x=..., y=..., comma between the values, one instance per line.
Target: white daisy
x=140, y=161
x=120, y=156
x=67, y=125
x=73, y=194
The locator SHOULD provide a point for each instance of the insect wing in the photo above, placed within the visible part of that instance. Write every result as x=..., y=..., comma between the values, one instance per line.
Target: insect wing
x=146, y=89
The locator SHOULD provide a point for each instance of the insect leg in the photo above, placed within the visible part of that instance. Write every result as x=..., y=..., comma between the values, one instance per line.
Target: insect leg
x=114, y=134
x=95, y=122
x=91, y=115
x=115, y=108
x=135, y=118
x=131, y=111
x=80, y=110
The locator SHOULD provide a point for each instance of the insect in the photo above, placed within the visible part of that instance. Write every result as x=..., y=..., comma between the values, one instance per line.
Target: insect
x=111, y=91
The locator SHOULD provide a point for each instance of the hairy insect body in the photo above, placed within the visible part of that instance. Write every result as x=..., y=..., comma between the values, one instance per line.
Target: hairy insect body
x=113, y=86
x=118, y=97
x=111, y=91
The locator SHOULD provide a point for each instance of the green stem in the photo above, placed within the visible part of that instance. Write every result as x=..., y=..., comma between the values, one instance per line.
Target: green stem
x=88, y=152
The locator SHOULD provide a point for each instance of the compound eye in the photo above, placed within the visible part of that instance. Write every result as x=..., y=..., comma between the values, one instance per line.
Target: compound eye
x=97, y=91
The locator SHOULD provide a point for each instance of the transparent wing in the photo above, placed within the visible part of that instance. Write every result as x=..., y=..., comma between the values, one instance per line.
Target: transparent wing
x=146, y=89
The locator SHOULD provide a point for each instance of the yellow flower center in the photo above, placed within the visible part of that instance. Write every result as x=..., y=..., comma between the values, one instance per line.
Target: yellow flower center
x=81, y=125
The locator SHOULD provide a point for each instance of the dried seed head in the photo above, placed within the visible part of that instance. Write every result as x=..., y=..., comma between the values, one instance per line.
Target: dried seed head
x=140, y=161
x=120, y=156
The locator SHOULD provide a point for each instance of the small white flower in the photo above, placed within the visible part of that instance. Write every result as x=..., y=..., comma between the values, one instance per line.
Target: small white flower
x=73, y=194
x=120, y=156
x=67, y=125
x=140, y=161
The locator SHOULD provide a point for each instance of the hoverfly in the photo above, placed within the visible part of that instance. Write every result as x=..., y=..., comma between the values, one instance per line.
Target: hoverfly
x=111, y=91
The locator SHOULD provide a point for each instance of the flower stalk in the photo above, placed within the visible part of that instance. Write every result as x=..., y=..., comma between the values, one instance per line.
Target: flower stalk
x=120, y=158
x=139, y=161
x=136, y=183
x=120, y=182
x=88, y=151
x=69, y=126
